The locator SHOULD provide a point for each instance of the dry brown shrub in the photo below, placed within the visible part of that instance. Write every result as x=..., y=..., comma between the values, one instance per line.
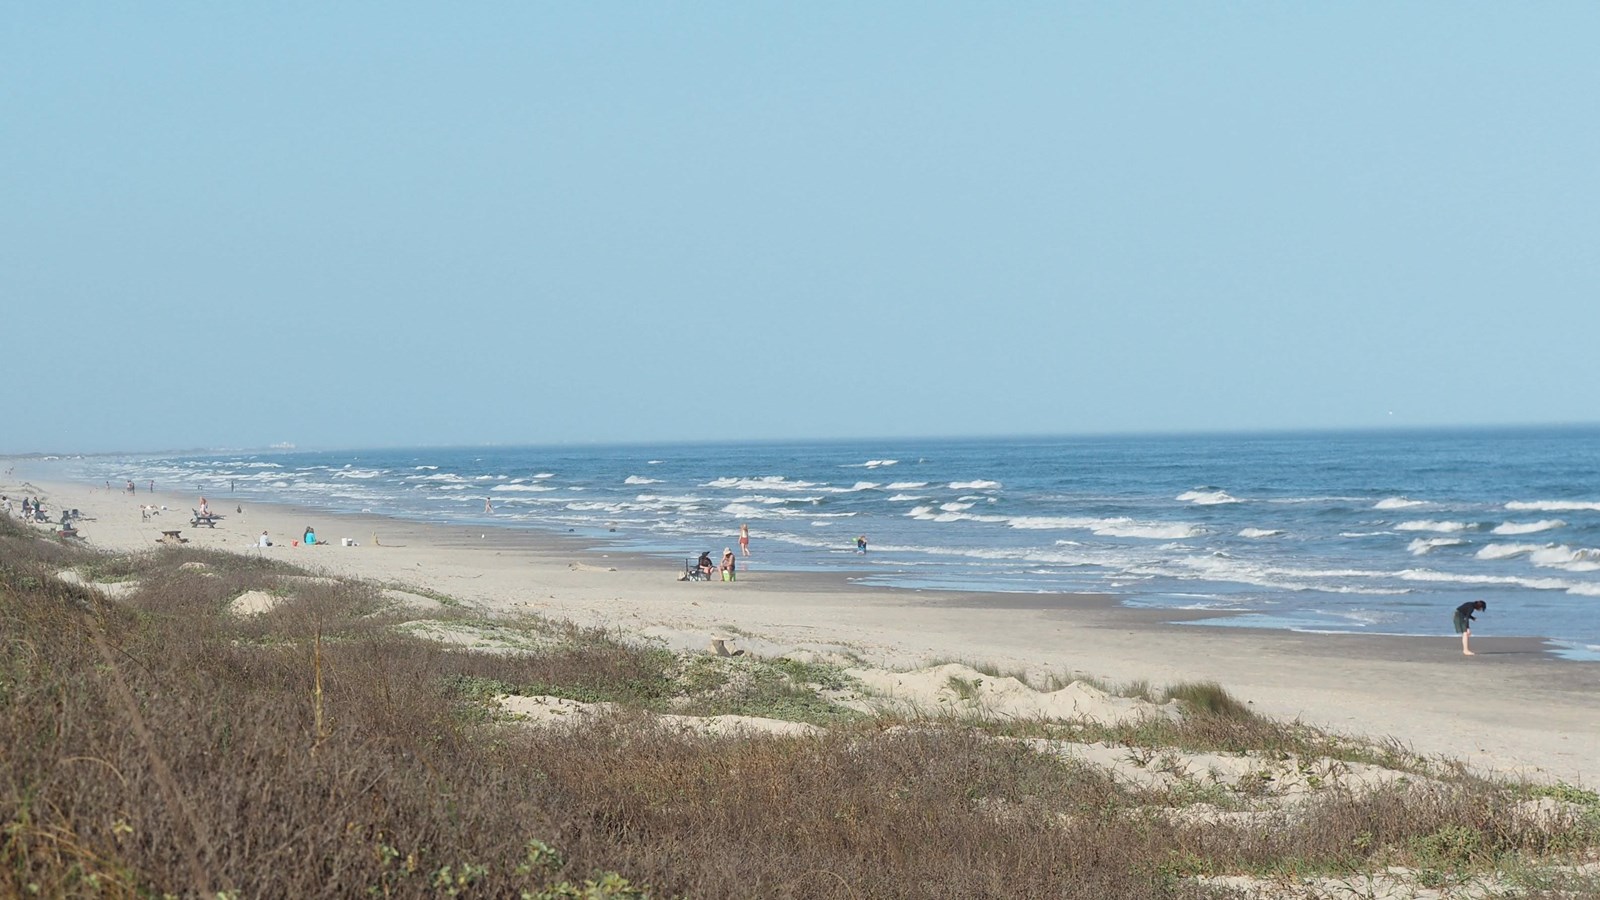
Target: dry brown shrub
x=165, y=746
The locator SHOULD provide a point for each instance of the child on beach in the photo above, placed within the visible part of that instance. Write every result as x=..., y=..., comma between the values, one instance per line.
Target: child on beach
x=1463, y=620
x=744, y=538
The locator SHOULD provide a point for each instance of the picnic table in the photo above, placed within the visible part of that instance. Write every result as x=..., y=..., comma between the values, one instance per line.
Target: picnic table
x=207, y=521
x=171, y=537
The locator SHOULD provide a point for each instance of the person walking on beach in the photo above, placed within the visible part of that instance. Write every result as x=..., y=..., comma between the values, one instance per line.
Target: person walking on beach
x=488, y=506
x=744, y=538
x=1463, y=620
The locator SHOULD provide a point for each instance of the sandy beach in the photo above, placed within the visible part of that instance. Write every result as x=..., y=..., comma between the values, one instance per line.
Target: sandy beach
x=1512, y=709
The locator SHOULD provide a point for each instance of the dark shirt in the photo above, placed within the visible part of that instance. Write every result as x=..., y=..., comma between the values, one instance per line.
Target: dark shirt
x=1466, y=610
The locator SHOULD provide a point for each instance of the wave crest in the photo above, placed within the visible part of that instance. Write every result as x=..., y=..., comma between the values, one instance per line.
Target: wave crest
x=1208, y=498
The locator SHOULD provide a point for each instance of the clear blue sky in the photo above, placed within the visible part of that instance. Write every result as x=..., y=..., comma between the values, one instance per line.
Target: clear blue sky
x=367, y=224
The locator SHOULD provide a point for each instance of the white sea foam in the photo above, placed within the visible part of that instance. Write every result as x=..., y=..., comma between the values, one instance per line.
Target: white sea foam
x=544, y=475
x=1528, y=527
x=905, y=497
x=764, y=483
x=746, y=511
x=639, y=479
x=1362, y=534
x=1422, y=546
x=1541, y=584
x=348, y=472
x=1216, y=567
x=1208, y=498
x=442, y=476
x=688, y=500
x=979, y=485
x=1172, y=531
x=590, y=506
x=871, y=464
x=1119, y=526
x=535, y=488
x=905, y=485
x=1259, y=532
x=1398, y=503
x=1429, y=525
x=1554, y=505
x=954, y=507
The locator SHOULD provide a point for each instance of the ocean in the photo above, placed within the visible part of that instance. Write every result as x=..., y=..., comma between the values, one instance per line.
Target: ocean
x=1377, y=533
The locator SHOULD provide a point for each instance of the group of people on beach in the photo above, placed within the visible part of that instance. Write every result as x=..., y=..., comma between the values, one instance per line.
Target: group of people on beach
x=32, y=509
x=728, y=568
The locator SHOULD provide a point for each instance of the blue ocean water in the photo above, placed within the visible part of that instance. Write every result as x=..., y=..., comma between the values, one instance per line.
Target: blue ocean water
x=1356, y=532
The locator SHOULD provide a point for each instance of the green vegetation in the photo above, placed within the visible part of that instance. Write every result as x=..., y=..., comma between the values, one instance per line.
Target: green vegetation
x=158, y=745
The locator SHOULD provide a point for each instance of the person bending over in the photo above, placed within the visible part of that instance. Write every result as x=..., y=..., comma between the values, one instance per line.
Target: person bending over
x=1463, y=620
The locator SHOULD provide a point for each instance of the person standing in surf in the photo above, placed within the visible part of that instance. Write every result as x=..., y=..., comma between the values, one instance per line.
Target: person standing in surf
x=744, y=538
x=1463, y=621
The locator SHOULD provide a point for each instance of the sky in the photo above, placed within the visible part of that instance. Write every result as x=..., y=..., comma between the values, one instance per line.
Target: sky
x=391, y=224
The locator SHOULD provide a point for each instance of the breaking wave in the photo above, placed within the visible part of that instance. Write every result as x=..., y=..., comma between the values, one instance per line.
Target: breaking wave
x=1528, y=527
x=1398, y=503
x=1555, y=505
x=1422, y=546
x=1428, y=525
x=1207, y=498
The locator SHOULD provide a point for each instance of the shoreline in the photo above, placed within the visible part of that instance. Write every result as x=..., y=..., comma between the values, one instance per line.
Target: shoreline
x=1514, y=709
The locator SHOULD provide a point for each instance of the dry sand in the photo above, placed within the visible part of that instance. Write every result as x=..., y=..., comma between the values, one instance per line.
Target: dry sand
x=1511, y=710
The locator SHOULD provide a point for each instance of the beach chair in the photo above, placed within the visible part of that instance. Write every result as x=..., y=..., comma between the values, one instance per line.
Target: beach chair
x=693, y=570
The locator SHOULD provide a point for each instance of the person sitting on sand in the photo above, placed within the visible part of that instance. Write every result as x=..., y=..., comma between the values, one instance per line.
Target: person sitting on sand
x=705, y=565
x=728, y=564
x=311, y=536
x=264, y=541
x=1463, y=619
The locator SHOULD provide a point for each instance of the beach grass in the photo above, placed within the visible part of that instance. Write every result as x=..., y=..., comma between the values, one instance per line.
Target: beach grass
x=159, y=744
